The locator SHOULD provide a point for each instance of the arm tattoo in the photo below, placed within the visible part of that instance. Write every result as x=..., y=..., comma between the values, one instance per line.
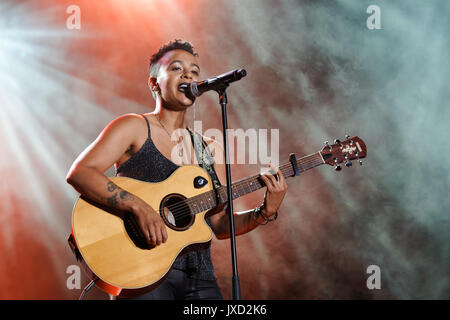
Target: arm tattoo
x=111, y=186
x=112, y=201
x=124, y=195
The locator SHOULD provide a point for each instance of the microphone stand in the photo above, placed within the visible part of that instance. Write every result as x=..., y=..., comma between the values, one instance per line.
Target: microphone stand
x=223, y=102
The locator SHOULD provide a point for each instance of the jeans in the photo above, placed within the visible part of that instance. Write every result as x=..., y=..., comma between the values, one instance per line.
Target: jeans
x=178, y=286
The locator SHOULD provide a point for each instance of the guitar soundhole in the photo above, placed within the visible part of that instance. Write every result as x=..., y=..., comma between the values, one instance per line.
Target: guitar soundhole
x=176, y=213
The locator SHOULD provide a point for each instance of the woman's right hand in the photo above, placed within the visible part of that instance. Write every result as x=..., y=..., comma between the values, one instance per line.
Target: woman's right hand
x=151, y=223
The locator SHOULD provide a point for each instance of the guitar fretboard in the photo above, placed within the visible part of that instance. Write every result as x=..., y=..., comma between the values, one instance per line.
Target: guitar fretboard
x=213, y=198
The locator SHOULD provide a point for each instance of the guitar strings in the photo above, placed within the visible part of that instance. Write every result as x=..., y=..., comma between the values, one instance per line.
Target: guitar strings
x=182, y=208
x=179, y=209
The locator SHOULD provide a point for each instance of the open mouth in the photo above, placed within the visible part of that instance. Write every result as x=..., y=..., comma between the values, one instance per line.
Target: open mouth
x=183, y=86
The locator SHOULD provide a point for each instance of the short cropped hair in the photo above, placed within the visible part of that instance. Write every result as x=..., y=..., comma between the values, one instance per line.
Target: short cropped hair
x=172, y=45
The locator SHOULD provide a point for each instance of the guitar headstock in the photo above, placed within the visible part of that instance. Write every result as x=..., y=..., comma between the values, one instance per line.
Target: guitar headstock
x=344, y=152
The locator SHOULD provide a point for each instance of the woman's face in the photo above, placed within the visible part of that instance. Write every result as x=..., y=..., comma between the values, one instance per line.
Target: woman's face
x=176, y=67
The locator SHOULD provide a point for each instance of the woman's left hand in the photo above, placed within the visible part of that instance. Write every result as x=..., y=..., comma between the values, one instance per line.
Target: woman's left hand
x=276, y=189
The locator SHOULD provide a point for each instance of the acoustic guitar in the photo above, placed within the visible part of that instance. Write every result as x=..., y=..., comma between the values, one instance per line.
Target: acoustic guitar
x=110, y=246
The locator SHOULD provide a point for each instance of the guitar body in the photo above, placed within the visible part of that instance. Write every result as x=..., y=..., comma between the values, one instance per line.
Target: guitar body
x=109, y=250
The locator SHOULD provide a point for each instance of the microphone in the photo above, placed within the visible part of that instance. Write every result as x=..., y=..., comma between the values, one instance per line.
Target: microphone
x=196, y=89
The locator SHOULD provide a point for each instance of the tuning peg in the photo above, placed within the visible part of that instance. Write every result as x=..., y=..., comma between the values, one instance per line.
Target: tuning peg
x=359, y=160
x=348, y=164
x=347, y=136
x=337, y=141
x=337, y=165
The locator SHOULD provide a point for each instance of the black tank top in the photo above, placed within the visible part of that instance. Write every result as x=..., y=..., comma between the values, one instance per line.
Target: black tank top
x=150, y=165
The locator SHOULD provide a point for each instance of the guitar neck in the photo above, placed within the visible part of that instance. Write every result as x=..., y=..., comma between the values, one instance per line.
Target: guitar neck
x=213, y=198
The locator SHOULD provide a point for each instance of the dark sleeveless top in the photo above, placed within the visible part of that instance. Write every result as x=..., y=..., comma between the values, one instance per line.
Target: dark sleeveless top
x=150, y=165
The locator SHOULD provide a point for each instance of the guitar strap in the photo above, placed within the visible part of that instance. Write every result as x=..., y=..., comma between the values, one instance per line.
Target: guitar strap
x=204, y=157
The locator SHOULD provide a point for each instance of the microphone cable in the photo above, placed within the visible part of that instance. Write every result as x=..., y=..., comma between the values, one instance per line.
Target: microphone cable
x=87, y=288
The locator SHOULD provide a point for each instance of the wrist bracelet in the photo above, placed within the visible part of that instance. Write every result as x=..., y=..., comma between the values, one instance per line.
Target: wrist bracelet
x=258, y=211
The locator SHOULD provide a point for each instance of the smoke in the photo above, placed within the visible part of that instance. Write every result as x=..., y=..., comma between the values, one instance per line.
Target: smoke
x=390, y=87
